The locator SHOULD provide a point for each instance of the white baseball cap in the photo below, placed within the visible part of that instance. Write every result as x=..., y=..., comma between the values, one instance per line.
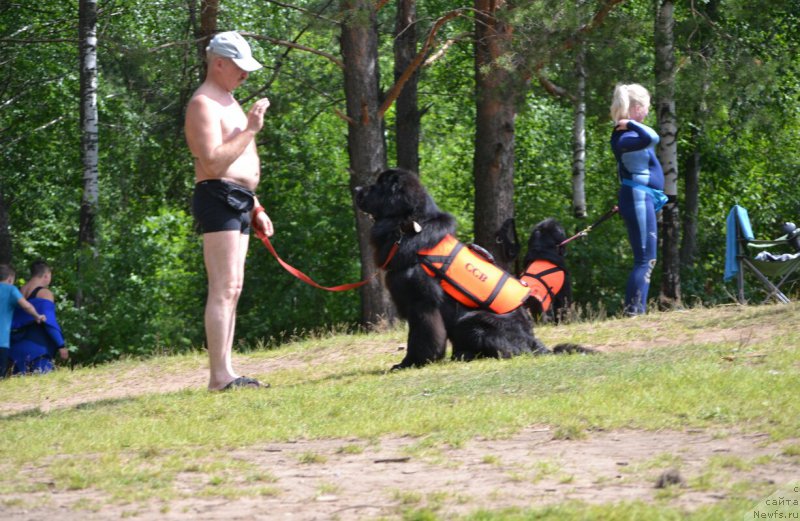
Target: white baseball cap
x=231, y=45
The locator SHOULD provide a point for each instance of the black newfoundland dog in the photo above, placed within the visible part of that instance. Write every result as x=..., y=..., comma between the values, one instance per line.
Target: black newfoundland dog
x=404, y=213
x=546, y=272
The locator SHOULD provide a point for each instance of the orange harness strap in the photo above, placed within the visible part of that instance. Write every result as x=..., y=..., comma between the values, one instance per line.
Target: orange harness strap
x=472, y=280
x=545, y=280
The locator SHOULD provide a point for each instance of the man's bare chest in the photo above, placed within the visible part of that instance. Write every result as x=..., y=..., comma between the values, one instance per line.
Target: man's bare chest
x=232, y=120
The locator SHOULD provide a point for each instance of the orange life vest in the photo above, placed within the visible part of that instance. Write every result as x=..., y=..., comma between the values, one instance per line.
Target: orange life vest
x=545, y=280
x=471, y=279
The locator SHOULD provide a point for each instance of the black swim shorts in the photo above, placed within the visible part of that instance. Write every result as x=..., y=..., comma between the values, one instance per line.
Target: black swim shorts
x=220, y=205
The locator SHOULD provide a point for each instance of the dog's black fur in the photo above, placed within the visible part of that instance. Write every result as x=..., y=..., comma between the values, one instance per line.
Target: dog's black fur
x=543, y=244
x=396, y=201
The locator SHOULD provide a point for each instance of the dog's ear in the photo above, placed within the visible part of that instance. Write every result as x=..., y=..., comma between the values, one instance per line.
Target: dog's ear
x=394, y=183
x=507, y=238
x=389, y=179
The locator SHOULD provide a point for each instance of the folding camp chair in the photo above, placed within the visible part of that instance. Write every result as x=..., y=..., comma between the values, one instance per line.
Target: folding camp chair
x=771, y=273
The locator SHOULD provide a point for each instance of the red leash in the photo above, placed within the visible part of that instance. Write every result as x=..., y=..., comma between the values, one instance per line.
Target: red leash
x=305, y=278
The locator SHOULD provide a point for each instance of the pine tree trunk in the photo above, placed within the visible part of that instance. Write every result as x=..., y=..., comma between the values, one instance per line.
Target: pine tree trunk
x=691, y=209
x=493, y=163
x=209, y=11
x=691, y=204
x=670, y=295
x=365, y=141
x=407, y=121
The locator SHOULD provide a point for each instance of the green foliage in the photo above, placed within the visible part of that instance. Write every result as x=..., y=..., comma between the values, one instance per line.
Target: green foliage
x=144, y=297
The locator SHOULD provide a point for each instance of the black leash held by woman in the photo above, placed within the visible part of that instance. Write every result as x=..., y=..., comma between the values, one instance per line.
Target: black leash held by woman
x=603, y=218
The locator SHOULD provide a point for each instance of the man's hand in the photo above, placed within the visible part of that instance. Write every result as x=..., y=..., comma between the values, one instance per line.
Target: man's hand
x=40, y=319
x=63, y=352
x=262, y=222
x=255, y=118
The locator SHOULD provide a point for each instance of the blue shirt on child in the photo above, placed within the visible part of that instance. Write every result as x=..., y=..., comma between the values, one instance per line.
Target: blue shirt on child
x=9, y=296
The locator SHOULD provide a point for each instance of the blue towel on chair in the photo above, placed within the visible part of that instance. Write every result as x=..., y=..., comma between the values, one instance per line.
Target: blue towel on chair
x=740, y=214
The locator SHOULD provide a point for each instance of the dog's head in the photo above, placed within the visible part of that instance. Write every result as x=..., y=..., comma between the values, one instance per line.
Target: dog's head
x=547, y=236
x=396, y=194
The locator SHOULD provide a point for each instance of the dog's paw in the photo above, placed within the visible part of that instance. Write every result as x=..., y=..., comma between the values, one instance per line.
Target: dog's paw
x=572, y=349
x=399, y=367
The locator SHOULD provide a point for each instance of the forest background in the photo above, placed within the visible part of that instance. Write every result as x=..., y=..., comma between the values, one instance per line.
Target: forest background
x=135, y=285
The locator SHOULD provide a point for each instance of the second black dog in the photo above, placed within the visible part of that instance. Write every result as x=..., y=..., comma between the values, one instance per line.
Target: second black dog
x=546, y=272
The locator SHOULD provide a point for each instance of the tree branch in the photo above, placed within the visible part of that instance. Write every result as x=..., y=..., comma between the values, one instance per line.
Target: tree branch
x=418, y=59
x=297, y=46
x=39, y=40
x=304, y=11
x=596, y=20
x=28, y=133
x=575, y=37
x=255, y=36
x=552, y=88
x=280, y=61
x=345, y=117
x=438, y=54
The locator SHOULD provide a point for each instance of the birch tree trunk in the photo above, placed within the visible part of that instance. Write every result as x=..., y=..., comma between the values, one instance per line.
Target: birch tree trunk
x=89, y=134
x=365, y=140
x=667, y=152
x=579, y=136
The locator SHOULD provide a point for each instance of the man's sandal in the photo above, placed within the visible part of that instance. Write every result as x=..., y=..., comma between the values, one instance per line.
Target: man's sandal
x=243, y=382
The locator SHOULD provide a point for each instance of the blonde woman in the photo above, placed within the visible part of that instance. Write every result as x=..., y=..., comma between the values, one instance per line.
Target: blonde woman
x=641, y=184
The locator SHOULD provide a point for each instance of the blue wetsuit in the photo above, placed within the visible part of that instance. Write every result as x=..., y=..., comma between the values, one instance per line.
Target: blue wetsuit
x=634, y=149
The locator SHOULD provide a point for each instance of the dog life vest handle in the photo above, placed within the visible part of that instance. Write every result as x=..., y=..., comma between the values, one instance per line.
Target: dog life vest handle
x=305, y=278
x=586, y=231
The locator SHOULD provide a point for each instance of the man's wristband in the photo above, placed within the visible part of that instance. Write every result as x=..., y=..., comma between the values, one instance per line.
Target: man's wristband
x=258, y=209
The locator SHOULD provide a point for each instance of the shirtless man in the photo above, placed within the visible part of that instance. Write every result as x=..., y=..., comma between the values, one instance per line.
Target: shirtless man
x=221, y=138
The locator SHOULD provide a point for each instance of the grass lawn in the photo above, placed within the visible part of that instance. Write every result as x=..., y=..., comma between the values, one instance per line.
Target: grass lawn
x=143, y=438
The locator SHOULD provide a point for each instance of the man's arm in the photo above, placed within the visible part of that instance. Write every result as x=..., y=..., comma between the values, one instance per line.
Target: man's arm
x=28, y=307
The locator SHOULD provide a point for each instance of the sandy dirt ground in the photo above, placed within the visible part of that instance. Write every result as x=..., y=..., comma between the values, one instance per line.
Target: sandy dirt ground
x=531, y=469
